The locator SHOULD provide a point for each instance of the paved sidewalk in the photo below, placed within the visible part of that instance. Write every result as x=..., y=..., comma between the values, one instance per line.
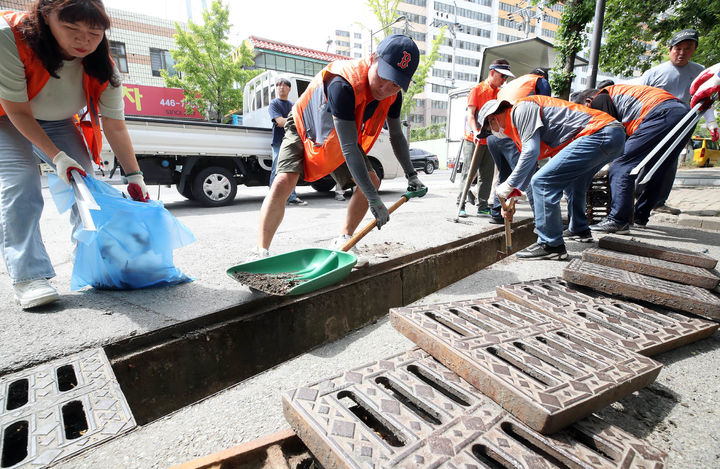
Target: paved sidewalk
x=700, y=208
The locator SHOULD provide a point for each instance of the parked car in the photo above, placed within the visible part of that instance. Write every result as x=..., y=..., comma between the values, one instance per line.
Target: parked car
x=707, y=152
x=424, y=160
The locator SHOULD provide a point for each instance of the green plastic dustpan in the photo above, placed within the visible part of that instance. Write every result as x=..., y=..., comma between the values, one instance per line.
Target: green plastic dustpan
x=296, y=272
x=303, y=271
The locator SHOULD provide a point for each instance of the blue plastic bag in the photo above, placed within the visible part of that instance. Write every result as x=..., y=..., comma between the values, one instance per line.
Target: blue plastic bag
x=133, y=245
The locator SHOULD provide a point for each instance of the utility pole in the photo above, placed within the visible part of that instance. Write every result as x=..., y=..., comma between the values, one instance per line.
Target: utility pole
x=596, y=39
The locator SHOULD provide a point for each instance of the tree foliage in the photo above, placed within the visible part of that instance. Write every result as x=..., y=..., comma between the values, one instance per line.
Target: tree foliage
x=630, y=25
x=211, y=80
x=430, y=132
x=570, y=40
x=386, y=12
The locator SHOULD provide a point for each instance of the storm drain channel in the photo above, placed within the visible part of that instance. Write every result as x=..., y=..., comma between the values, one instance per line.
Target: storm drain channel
x=55, y=410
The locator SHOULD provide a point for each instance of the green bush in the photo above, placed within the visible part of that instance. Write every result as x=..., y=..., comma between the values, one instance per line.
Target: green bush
x=431, y=132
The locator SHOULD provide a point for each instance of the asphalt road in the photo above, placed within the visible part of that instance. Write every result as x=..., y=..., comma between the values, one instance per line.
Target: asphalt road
x=677, y=413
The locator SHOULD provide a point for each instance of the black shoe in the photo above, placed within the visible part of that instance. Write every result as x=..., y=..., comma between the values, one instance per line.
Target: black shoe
x=639, y=224
x=496, y=221
x=297, y=201
x=609, y=226
x=582, y=237
x=543, y=251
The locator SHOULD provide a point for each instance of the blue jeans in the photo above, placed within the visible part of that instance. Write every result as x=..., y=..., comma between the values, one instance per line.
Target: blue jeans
x=21, y=201
x=505, y=154
x=572, y=171
x=276, y=151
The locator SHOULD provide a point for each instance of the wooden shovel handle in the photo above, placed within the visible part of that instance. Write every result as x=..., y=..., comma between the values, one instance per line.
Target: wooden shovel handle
x=509, y=207
x=369, y=227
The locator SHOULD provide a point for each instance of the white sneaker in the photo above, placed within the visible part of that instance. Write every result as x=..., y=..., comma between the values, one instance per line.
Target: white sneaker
x=337, y=243
x=34, y=293
x=257, y=253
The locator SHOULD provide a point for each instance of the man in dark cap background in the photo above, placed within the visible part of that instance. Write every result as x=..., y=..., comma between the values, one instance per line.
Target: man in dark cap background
x=675, y=76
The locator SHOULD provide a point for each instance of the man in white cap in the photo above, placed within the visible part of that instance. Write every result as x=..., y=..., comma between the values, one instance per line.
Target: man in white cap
x=483, y=166
x=675, y=76
x=333, y=126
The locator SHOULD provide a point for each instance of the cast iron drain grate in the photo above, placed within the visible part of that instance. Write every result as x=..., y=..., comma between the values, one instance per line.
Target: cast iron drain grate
x=410, y=411
x=673, y=271
x=547, y=375
x=643, y=330
x=641, y=287
x=666, y=253
x=57, y=409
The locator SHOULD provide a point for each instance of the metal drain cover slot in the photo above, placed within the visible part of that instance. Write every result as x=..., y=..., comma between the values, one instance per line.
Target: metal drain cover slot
x=548, y=375
x=632, y=246
x=57, y=409
x=673, y=271
x=641, y=287
x=643, y=330
x=411, y=411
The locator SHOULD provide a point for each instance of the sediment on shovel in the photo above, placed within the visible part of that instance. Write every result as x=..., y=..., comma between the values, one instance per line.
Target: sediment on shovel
x=273, y=284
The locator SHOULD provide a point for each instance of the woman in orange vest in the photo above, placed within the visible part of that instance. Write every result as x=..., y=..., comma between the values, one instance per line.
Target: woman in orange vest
x=54, y=61
x=648, y=115
x=580, y=141
x=336, y=121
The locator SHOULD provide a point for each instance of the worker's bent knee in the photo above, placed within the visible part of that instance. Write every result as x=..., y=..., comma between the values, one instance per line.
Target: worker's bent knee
x=284, y=183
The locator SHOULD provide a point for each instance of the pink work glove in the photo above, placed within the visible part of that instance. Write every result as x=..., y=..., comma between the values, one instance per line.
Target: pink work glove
x=64, y=164
x=136, y=187
x=704, y=86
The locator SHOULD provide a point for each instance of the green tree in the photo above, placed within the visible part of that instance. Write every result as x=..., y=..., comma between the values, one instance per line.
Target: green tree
x=569, y=41
x=630, y=26
x=386, y=12
x=209, y=76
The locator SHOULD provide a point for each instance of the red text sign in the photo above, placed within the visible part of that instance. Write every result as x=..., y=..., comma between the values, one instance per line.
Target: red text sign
x=141, y=100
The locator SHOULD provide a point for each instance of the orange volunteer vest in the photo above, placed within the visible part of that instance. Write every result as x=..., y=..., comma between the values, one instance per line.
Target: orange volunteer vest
x=479, y=95
x=521, y=87
x=634, y=102
x=322, y=148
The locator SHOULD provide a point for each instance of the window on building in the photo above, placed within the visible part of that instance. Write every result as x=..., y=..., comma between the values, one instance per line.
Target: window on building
x=160, y=59
x=117, y=51
x=342, y=33
x=417, y=119
x=357, y=35
x=438, y=119
x=358, y=55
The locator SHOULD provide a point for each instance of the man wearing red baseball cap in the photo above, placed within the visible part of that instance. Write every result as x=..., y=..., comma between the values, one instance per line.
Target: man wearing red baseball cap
x=333, y=126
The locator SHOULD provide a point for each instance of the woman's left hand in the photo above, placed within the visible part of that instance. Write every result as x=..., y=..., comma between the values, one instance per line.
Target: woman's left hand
x=136, y=188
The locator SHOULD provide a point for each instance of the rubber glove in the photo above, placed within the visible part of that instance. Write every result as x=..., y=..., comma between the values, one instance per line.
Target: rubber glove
x=503, y=190
x=64, y=164
x=705, y=85
x=137, y=189
x=414, y=184
x=712, y=126
x=379, y=211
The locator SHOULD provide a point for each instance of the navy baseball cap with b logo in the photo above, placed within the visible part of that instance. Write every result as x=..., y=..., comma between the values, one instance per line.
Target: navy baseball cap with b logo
x=399, y=58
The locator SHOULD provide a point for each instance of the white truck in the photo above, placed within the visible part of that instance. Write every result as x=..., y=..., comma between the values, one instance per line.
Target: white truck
x=207, y=161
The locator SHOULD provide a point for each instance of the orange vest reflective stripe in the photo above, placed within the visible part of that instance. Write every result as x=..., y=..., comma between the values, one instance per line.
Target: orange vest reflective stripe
x=478, y=96
x=37, y=76
x=597, y=121
x=634, y=102
x=322, y=151
x=521, y=87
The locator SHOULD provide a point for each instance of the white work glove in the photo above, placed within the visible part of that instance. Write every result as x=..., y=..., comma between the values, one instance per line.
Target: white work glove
x=712, y=126
x=503, y=190
x=136, y=187
x=705, y=85
x=414, y=183
x=379, y=211
x=64, y=164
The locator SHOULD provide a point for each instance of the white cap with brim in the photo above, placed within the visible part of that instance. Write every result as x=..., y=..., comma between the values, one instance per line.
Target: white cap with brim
x=502, y=69
x=489, y=108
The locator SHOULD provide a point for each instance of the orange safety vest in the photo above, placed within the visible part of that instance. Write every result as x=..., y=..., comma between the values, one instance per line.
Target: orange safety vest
x=37, y=76
x=521, y=87
x=479, y=95
x=634, y=102
x=314, y=123
x=597, y=121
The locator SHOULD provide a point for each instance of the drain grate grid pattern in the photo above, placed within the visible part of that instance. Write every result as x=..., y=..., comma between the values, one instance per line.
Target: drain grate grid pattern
x=547, y=375
x=410, y=411
x=641, y=287
x=673, y=271
x=57, y=409
x=633, y=246
x=643, y=330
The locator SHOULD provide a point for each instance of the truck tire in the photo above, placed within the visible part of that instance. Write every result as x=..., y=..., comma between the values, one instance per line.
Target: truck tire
x=325, y=184
x=377, y=166
x=214, y=186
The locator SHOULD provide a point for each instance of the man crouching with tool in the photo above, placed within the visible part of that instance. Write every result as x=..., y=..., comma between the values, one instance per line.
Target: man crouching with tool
x=580, y=140
x=337, y=120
